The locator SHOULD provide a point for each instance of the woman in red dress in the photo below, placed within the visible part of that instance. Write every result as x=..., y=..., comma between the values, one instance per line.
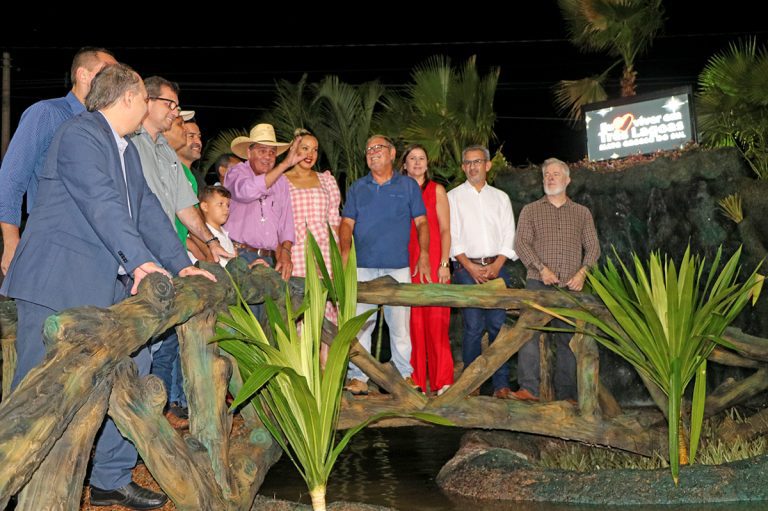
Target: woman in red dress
x=431, y=353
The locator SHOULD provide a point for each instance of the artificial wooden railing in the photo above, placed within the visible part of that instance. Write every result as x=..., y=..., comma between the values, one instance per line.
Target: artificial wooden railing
x=50, y=420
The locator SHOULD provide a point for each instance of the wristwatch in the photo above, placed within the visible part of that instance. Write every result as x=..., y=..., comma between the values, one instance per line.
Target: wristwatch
x=445, y=264
x=211, y=240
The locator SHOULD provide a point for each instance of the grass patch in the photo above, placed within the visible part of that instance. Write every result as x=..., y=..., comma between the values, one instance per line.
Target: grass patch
x=713, y=451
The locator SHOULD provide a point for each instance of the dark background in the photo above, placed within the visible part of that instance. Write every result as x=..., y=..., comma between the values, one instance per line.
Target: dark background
x=227, y=58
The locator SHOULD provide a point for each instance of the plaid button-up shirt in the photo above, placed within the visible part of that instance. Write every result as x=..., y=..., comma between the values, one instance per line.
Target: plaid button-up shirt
x=562, y=239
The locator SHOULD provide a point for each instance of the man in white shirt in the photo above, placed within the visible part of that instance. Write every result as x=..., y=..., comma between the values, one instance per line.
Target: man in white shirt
x=482, y=239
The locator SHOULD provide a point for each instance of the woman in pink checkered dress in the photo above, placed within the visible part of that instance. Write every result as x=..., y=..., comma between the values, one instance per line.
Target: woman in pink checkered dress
x=315, y=198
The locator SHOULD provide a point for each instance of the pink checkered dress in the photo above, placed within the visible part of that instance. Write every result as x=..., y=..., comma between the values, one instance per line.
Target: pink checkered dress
x=313, y=209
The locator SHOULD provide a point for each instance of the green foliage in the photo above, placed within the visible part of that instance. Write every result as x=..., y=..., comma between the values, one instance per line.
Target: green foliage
x=732, y=103
x=620, y=28
x=666, y=322
x=445, y=109
x=731, y=207
x=297, y=401
x=219, y=145
x=339, y=114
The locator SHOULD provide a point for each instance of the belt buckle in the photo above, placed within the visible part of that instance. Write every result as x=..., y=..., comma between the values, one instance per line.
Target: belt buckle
x=484, y=262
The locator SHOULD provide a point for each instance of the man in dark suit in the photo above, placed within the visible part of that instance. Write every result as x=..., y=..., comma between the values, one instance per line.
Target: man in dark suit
x=95, y=232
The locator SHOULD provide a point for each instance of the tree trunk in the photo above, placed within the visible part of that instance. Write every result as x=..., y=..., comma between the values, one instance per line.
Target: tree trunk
x=53, y=488
x=206, y=377
x=546, y=357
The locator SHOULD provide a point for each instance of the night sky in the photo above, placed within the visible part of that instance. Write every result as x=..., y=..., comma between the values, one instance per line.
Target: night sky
x=227, y=65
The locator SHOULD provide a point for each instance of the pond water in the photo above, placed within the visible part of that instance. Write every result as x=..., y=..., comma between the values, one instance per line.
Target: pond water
x=397, y=467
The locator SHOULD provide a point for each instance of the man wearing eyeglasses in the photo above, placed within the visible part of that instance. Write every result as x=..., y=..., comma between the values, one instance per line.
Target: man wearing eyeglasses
x=167, y=181
x=378, y=211
x=25, y=158
x=482, y=240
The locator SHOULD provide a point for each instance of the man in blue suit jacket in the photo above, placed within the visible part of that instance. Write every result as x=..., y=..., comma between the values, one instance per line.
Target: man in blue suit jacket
x=95, y=232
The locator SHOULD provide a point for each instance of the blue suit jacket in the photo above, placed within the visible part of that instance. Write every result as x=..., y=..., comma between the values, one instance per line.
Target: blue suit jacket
x=80, y=231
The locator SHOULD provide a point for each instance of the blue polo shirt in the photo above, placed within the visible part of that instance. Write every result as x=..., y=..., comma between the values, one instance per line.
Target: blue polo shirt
x=25, y=158
x=382, y=215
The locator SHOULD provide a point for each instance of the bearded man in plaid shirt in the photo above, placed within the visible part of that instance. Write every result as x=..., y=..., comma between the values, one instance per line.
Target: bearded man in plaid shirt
x=557, y=242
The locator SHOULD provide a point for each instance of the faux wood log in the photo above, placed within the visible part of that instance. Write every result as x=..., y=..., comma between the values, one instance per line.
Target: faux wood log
x=235, y=384
x=747, y=345
x=756, y=425
x=182, y=469
x=206, y=377
x=86, y=344
x=608, y=404
x=657, y=395
x=587, y=373
x=557, y=419
x=507, y=343
x=386, y=376
x=7, y=340
x=546, y=357
x=491, y=295
x=728, y=395
x=51, y=487
x=9, y=365
x=729, y=358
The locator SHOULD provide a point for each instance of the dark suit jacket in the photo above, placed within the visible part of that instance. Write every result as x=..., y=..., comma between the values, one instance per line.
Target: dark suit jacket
x=80, y=231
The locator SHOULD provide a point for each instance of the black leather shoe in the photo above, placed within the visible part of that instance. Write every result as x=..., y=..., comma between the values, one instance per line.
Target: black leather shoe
x=131, y=496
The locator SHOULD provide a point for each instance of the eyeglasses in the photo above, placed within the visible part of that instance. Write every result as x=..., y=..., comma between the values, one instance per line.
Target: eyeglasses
x=377, y=148
x=171, y=103
x=472, y=163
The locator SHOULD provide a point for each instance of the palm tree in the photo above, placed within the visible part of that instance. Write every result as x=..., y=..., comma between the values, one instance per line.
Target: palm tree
x=343, y=116
x=445, y=109
x=732, y=103
x=622, y=28
x=338, y=113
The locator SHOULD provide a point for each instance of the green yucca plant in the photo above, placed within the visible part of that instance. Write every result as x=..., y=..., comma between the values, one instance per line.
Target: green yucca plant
x=666, y=325
x=297, y=401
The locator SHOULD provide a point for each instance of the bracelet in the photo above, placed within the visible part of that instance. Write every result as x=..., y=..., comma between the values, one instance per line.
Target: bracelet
x=445, y=264
x=211, y=240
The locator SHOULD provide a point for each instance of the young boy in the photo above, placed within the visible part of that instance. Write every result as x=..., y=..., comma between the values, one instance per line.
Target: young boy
x=214, y=205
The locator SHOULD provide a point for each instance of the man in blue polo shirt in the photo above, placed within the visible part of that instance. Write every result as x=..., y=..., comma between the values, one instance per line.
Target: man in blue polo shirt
x=378, y=212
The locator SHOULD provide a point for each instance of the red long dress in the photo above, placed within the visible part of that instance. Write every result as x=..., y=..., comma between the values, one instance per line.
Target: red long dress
x=431, y=353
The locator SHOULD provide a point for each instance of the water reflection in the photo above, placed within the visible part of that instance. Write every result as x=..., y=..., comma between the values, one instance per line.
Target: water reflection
x=397, y=467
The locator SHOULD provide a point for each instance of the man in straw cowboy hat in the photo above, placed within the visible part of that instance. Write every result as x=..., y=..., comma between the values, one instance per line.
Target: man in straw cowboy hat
x=260, y=216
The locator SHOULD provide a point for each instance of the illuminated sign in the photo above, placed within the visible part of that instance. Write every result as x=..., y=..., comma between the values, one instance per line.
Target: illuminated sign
x=641, y=124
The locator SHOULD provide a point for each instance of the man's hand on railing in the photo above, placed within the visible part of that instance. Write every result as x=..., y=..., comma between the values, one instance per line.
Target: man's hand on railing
x=142, y=271
x=190, y=271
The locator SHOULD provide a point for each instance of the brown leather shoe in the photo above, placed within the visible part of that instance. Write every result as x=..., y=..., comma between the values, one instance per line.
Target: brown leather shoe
x=503, y=393
x=357, y=387
x=522, y=395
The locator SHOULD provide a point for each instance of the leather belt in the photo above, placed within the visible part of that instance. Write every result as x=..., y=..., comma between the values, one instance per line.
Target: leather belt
x=483, y=261
x=262, y=252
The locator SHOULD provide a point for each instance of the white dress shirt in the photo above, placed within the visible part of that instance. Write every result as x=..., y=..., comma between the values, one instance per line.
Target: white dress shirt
x=482, y=223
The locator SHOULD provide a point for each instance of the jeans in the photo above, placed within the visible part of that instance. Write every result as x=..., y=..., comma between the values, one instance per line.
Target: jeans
x=398, y=321
x=528, y=375
x=478, y=320
x=166, y=365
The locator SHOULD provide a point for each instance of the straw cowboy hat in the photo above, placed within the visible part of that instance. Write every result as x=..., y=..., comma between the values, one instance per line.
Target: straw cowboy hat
x=260, y=134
